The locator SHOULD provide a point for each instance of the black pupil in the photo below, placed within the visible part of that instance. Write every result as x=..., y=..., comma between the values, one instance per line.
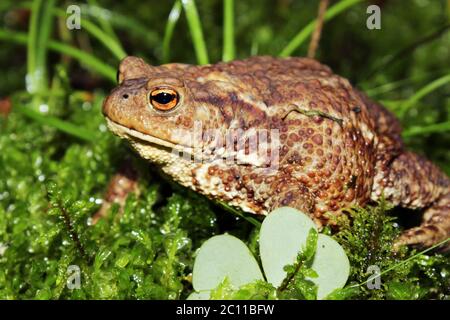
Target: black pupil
x=163, y=97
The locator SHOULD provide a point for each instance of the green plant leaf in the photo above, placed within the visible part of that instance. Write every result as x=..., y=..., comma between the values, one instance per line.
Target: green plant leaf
x=331, y=265
x=229, y=50
x=221, y=257
x=195, y=28
x=108, y=41
x=283, y=234
x=83, y=57
x=172, y=20
x=429, y=88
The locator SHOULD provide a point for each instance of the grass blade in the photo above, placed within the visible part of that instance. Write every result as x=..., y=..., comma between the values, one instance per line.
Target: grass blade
x=105, y=25
x=423, y=92
x=391, y=86
x=149, y=37
x=39, y=29
x=57, y=123
x=87, y=59
x=228, y=30
x=195, y=28
x=404, y=261
x=309, y=28
x=35, y=75
x=240, y=214
x=45, y=29
x=84, y=58
x=421, y=130
x=109, y=42
x=391, y=59
x=174, y=15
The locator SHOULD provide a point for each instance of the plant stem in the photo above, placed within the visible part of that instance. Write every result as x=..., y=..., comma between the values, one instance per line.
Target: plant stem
x=309, y=28
x=314, y=43
x=253, y=221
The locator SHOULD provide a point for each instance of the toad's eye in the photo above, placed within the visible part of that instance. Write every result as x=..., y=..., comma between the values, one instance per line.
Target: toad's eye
x=164, y=99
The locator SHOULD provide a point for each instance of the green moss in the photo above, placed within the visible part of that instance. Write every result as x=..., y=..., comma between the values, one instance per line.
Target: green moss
x=368, y=241
x=258, y=290
x=48, y=196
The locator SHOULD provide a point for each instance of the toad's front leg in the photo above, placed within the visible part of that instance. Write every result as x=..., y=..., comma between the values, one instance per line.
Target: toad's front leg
x=413, y=182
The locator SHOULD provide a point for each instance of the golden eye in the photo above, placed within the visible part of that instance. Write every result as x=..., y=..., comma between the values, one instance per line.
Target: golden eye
x=164, y=99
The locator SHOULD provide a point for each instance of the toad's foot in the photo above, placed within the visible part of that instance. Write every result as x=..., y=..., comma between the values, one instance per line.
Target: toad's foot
x=435, y=227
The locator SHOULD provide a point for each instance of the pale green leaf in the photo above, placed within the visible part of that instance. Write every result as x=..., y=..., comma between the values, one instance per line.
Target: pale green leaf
x=283, y=235
x=221, y=257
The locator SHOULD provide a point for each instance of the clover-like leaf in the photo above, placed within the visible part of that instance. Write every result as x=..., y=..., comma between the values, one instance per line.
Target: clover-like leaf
x=331, y=265
x=283, y=234
x=221, y=257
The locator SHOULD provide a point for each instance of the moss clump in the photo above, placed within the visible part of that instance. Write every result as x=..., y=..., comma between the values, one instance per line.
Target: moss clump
x=368, y=242
x=51, y=185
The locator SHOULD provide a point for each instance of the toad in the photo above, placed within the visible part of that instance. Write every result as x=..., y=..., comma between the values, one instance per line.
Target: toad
x=267, y=132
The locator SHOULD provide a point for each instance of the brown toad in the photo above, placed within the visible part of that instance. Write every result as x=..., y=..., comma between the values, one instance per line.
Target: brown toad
x=328, y=146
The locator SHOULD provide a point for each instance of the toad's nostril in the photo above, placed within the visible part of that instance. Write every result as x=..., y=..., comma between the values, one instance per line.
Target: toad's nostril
x=125, y=96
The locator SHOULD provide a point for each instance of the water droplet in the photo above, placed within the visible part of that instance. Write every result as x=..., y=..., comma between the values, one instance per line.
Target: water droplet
x=86, y=106
x=38, y=161
x=3, y=248
x=43, y=108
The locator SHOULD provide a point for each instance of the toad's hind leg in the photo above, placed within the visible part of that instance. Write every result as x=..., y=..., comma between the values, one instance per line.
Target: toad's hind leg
x=435, y=226
x=413, y=182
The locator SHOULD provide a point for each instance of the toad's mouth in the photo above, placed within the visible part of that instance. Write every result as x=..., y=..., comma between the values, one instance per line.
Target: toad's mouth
x=196, y=154
x=141, y=138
